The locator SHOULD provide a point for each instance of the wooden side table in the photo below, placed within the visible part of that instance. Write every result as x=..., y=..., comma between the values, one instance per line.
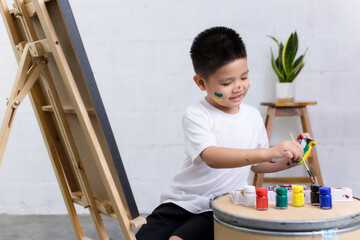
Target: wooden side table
x=287, y=109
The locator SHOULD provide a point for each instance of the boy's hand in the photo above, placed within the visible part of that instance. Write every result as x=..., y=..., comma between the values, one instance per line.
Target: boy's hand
x=288, y=149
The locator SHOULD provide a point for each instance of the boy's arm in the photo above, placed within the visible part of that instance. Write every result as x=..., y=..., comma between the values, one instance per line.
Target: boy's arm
x=219, y=157
x=270, y=167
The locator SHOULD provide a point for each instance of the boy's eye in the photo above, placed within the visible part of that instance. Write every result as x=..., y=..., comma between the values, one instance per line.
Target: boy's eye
x=226, y=84
x=244, y=78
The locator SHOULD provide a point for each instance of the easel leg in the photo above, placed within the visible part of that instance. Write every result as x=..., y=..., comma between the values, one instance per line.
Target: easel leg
x=74, y=155
x=24, y=66
x=56, y=153
x=9, y=24
x=65, y=193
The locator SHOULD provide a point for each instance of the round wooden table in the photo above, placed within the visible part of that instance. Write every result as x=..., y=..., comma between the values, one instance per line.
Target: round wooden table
x=234, y=221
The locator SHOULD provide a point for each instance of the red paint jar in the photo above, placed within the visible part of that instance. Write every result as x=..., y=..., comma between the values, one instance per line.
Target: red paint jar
x=262, y=202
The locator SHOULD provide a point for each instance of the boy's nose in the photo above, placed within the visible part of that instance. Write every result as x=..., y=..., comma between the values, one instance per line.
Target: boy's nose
x=237, y=88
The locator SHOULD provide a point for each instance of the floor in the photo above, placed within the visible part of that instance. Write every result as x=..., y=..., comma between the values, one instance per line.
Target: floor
x=52, y=227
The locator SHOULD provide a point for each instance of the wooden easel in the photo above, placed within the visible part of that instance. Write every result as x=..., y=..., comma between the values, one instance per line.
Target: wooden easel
x=70, y=114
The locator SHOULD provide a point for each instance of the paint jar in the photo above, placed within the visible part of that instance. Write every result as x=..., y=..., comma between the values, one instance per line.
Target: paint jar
x=249, y=196
x=315, y=194
x=325, y=198
x=281, y=198
x=298, y=195
x=261, y=199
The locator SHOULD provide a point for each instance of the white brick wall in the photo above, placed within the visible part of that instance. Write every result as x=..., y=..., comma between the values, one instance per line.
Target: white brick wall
x=139, y=52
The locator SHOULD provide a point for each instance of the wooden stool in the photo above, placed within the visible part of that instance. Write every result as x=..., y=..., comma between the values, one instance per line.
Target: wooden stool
x=288, y=109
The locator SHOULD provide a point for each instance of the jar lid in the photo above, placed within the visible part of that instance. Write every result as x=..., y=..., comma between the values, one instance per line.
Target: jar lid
x=281, y=191
x=261, y=191
x=249, y=189
x=325, y=191
x=297, y=188
x=315, y=187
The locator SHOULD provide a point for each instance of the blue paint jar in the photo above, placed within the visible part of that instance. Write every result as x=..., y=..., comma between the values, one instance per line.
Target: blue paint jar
x=325, y=198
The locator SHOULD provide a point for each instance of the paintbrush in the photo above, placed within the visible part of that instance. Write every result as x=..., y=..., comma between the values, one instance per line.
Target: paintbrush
x=306, y=166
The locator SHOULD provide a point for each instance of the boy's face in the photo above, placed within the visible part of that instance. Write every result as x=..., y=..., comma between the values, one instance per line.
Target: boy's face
x=227, y=86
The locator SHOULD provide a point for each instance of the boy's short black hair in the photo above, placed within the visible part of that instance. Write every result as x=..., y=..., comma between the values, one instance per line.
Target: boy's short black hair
x=215, y=47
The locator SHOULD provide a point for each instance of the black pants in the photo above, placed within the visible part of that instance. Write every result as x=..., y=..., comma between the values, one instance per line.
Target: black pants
x=169, y=219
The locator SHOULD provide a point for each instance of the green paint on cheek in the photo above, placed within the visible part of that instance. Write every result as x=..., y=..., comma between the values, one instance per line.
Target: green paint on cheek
x=218, y=94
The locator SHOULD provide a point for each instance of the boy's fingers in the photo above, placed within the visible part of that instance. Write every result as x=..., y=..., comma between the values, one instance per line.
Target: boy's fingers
x=306, y=136
x=300, y=149
x=288, y=154
x=296, y=148
x=297, y=152
x=298, y=145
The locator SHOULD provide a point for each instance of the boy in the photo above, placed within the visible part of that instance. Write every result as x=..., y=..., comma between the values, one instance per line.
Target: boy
x=224, y=139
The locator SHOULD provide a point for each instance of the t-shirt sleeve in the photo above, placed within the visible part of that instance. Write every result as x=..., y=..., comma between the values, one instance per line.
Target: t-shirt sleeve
x=197, y=133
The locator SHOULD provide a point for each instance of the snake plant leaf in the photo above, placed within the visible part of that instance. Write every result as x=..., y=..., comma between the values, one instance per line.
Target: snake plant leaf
x=295, y=43
x=298, y=63
x=276, y=69
x=279, y=64
x=274, y=40
x=289, y=53
x=279, y=59
x=284, y=65
x=294, y=74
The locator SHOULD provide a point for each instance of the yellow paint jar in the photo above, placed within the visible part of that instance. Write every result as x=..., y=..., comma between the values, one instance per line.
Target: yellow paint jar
x=298, y=195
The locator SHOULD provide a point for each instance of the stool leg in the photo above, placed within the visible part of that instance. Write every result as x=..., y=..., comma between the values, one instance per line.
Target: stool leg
x=258, y=180
x=305, y=122
x=269, y=123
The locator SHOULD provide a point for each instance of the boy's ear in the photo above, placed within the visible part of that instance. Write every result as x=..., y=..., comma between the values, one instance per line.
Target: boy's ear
x=200, y=82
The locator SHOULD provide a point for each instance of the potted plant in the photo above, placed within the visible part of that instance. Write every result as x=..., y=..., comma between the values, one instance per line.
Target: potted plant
x=286, y=67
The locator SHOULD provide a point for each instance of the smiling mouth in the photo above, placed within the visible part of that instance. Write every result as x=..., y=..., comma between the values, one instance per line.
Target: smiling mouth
x=236, y=97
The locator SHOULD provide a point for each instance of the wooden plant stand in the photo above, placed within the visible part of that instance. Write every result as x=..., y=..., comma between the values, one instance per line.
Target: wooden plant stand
x=288, y=109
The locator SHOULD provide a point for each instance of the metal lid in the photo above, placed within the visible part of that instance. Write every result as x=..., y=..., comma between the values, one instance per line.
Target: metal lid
x=315, y=187
x=261, y=192
x=249, y=189
x=297, y=188
x=325, y=191
x=281, y=191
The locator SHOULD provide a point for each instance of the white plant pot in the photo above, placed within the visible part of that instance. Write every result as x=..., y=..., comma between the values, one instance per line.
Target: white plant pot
x=285, y=92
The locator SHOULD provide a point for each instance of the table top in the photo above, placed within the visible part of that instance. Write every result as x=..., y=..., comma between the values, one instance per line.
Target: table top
x=305, y=218
x=287, y=104
x=307, y=212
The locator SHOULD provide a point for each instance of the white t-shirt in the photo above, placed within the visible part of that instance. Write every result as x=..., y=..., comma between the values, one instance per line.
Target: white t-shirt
x=205, y=126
